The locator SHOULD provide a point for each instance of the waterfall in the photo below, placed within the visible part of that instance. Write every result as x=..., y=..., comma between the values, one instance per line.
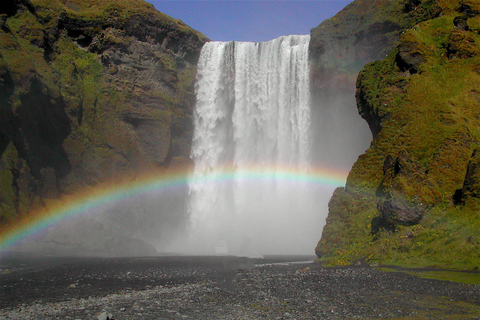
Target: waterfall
x=253, y=115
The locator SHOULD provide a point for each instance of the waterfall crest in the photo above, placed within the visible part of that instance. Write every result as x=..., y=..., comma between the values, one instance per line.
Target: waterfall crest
x=253, y=113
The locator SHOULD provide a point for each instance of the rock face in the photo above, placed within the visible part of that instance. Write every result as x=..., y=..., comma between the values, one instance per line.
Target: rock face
x=362, y=32
x=90, y=94
x=411, y=198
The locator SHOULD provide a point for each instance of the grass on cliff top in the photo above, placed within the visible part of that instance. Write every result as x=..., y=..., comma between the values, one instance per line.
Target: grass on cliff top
x=110, y=10
x=362, y=15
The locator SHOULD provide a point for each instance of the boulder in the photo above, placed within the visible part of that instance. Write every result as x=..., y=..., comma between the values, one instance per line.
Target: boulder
x=409, y=57
x=395, y=212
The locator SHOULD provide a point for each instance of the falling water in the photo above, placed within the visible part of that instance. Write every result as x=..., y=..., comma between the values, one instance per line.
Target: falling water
x=253, y=110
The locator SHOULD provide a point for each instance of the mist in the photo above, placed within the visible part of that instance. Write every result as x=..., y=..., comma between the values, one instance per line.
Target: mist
x=257, y=113
x=340, y=135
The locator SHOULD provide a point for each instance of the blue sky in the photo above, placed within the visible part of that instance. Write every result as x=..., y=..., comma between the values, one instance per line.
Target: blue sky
x=252, y=20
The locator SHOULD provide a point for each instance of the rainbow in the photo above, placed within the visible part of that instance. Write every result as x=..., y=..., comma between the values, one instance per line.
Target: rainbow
x=86, y=202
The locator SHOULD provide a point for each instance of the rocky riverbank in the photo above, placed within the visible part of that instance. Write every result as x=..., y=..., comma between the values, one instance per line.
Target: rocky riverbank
x=223, y=288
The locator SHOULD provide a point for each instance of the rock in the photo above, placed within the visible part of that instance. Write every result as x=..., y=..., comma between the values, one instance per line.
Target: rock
x=96, y=98
x=105, y=316
x=343, y=207
x=461, y=23
x=461, y=45
x=422, y=147
x=411, y=5
x=471, y=183
x=403, y=176
x=3, y=20
x=398, y=212
x=339, y=48
x=10, y=8
x=409, y=57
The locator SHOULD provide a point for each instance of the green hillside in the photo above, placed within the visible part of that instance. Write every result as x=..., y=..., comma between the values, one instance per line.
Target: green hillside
x=413, y=198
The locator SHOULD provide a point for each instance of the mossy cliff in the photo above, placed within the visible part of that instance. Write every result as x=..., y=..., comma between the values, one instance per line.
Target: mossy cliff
x=91, y=93
x=364, y=31
x=413, y=197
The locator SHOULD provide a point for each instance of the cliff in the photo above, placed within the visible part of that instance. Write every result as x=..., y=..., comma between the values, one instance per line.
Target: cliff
x=364, y=31
x=412, y=198
x=92, y=93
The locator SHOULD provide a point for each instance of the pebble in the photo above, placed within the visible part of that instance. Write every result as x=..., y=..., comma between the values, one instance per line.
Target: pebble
x=268, y=292
x=105, y=316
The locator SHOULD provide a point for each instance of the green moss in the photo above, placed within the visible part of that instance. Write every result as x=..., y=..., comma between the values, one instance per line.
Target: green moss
x=79, y=76
x=8, y=197
x=460, y=277
x=108, y=11
x=101, y=146
x=474, y=24
x=167, y=61
x=20, y=57
x=444, y=275
x=445, y=308
x=353, y=215
x=27, y=26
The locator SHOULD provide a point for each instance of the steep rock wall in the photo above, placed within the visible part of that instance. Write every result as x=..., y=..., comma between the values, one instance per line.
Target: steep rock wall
x=91, y=93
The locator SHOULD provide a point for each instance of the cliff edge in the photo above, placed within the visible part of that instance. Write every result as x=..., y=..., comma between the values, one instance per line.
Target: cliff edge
x=412, y=198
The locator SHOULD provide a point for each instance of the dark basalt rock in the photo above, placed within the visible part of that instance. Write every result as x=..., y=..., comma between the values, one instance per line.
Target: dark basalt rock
x=11, y=7
x=411, y=5
x=409, y=57
x=372, y=43
x=396, y=170
x=395, y=212
x=461, y=23
x=368, y=113
x=461, y=45
x=471, y=184
x=467, y=9
x=43, y=126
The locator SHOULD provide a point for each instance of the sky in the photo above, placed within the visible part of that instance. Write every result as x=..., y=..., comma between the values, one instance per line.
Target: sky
x=250, y=20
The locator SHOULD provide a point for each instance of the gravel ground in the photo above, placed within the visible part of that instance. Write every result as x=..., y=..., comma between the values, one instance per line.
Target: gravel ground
x=222, y=288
